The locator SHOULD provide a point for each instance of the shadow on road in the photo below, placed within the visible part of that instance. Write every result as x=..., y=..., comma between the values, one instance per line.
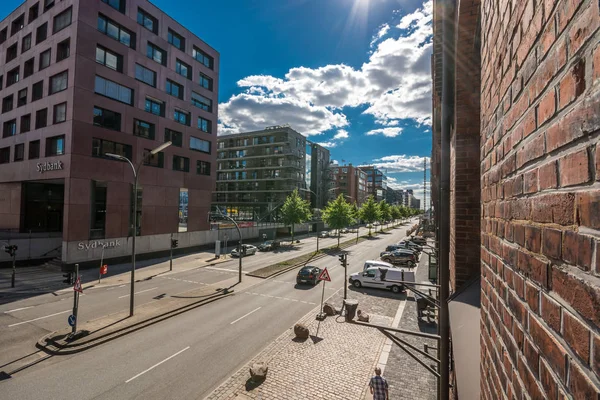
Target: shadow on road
x=380, y=293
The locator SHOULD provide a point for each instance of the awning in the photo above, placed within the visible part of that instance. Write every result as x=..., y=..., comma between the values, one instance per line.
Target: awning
x=463, y=308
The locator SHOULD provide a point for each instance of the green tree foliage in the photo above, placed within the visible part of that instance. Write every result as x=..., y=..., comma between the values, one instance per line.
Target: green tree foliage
x=385, y=212
x=369, y=212
x=396, y=214
x=338, y=214
x=355, y=212
x=295, y=210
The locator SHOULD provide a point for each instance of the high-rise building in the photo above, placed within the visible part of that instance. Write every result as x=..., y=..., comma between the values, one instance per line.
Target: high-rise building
x=376, y=182
x=351, y=182
x=319, y=175
x=80, y=79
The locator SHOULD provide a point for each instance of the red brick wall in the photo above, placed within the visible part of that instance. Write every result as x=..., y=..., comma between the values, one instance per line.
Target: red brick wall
x=540, y=164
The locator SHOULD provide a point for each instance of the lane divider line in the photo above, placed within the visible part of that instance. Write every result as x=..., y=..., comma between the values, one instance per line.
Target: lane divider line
x=244, y=316
x=37, y=319
x=156, y=365
x=18, y=309
x=141, y=291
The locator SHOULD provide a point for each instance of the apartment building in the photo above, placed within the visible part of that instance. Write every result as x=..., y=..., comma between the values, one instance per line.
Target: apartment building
x=351, y=182
x=80, y=79
x=376, y=182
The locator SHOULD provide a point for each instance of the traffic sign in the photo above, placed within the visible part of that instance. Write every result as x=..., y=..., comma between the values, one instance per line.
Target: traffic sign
x=104, y=269
x=77, y=287
x=324, y=276
x=72, y=319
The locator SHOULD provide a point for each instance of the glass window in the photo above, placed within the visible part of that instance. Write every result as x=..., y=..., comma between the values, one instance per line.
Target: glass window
x=147, y=21
x=3, y=35
x=100, y=147
x=202, y=102
x=176, y=40
x=204, y=125
x=183, y=202
x=9, y=128
x=45, y=59
x=41, y=118
x=63, y=50
x=143, y=129
x=55, y=146
x=13, y=76
x=34, y=149
x=62, y=20
x=22, y=97
x=115, y=31
x=156, y=53
x=25, y=123
x=199, y=145
x=174, y=89
x=28, y=68
x=37, y=91
x=19, y=152
x=41, y=33
x=109, y=59
x=113, y=90
x=181, y=164
x=155, y=107
x=118, y=5
x=155, y=160
x=145, y=75
x=203, y=168
x=7, y=103
x=183, y=69
x=17, y=24
x=202, y=57
x=48, y=4
x=206, y=82
x=59, y=82
x=33, y=13
x=59, y=113
x=5, y=155
x=26, y=44
x=182, y=117
x=173, y=136
x=98, y=210
x=107, y=119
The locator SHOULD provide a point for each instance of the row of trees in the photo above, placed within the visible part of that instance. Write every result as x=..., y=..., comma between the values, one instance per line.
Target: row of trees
x=340, y=214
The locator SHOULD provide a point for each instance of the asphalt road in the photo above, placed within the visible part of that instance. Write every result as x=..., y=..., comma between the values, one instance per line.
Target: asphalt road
x=186, y=356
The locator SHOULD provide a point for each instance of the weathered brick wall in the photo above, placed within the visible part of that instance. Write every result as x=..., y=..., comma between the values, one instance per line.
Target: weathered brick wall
x=540, y=164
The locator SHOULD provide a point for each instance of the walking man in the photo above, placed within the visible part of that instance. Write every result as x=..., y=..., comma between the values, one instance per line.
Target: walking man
x=379, y=386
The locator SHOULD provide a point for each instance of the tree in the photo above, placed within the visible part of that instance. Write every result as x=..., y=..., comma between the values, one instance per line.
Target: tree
x=369, y=212
x=385, y=213
x=396, y=214
x=338, y=214
x=295, y=210
x=355, y=212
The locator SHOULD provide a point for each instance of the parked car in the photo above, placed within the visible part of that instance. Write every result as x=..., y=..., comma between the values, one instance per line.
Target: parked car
x=269, y=245
x=420, y=240
x=308, y=274
x=375, y=264
x=376, y=224
x=324, y=234
x=383, y=278
x=247, y=250
x=345, y=230
x=401, y=256
x=411, y=245
x=394, y=247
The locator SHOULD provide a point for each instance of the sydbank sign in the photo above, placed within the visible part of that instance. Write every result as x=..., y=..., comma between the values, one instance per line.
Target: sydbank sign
x=98, y=244
x=49, y=166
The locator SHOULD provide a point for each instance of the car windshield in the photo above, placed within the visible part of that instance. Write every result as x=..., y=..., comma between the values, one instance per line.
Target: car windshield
x=305, y=270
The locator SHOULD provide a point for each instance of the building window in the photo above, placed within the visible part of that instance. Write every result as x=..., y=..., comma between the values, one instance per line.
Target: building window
x=100, y=147
x=181, y=164
x=203, y=168
x=115, y=31
x=203, y=58
x=183, y=207
x=45, y=59
x=33, y=13
x=107, y=119
x=28, y=68
x=174, y=137
x=154, y=160
x=41, y=33
x=183, y=69
x=98, y=209
x=1, y=81
x=204, y=125
x=113, y=90
x=62, y=20
x=48, y=4
x=26, y=43
x=19, y=152
x=138, y=202
x=13, y=76
x=17, y=24
x=5, y=155
x=10, y=128
x=25, y=123
x=22, y=97
x=63, y=50
x=109, y=59
x=37, y=91
x=41, y=118
x=59, y=82
x=145, y=75
x=156, y=53
x=11, y=53
x=199, y=145
x=206, y=82
x=118, y=5
x=176, y=40
x=182, y=117
x=155, y=107
x=147, y=21
x=3, y=35
x=143, y=129
x=201, y=102
x=174, y=89
x=34, y=150
x=7, y=103
x=59, y=113
x=55, y=146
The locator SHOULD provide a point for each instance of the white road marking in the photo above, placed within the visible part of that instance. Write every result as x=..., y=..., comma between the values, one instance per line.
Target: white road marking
x=36, y=319
x=224, y=269
x=17, y=309
x=156, y=365
x=141, y=291
x=244, y=316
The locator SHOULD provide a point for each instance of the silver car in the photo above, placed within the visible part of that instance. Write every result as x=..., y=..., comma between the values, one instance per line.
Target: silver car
x=247, y=250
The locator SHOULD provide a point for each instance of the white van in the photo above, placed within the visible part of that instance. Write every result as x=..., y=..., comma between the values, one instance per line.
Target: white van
x=376, y=264
x=382, y=277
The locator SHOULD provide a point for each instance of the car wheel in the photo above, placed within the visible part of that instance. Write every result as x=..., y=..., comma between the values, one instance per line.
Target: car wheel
x=387, y=260
x=396, y=289
x=357, y=284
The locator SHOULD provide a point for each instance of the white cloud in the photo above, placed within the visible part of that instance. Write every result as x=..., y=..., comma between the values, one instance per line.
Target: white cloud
x=383, y=30
x=388, y=132
x=394, y=83
x=341, y=134
x=329, y=144
x=400, y=163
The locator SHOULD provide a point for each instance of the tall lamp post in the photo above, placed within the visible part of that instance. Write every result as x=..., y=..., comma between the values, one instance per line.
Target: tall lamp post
x=240, y=246
x=136, y=171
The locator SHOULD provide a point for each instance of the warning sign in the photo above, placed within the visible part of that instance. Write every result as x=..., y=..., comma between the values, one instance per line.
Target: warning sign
x=104, y=269
x=324, y=276
x=77, y=287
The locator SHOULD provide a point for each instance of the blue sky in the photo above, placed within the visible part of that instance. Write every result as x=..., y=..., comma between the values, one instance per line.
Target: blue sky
x=353, y=75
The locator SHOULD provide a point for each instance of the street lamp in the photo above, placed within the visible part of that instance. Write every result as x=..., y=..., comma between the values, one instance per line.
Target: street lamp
x=135, y=191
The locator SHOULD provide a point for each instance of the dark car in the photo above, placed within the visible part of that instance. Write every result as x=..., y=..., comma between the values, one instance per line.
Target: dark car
x=308, y=274
x=420, y=240
x=394, y=247
x=269, y=245
x=400, y=257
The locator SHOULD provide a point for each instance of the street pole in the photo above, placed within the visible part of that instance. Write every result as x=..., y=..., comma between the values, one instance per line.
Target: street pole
x=345, y=276
x=171, y=255
x=101, y=261
x=75, y=300
x=14, y=271
x=135, y=197
x=317, y=242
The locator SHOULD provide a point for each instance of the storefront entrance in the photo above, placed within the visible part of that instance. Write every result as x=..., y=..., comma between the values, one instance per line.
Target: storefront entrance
x=42, y=205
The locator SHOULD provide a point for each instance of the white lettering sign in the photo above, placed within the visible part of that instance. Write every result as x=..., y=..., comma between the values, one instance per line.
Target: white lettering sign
x=96, y=244
x=49, y=166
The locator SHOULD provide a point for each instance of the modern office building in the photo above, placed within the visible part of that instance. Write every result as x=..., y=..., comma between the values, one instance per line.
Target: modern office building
x=257, y=170
x=415, y=203
x=376, y=182
x=319, y=177
x=351, y=182
x=80, y=79
x=394, y=196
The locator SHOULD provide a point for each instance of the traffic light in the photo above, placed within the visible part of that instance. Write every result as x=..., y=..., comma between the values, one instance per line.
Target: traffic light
x=68, y=278
x=174, y=243
x=11, y=249
x=343, y=259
